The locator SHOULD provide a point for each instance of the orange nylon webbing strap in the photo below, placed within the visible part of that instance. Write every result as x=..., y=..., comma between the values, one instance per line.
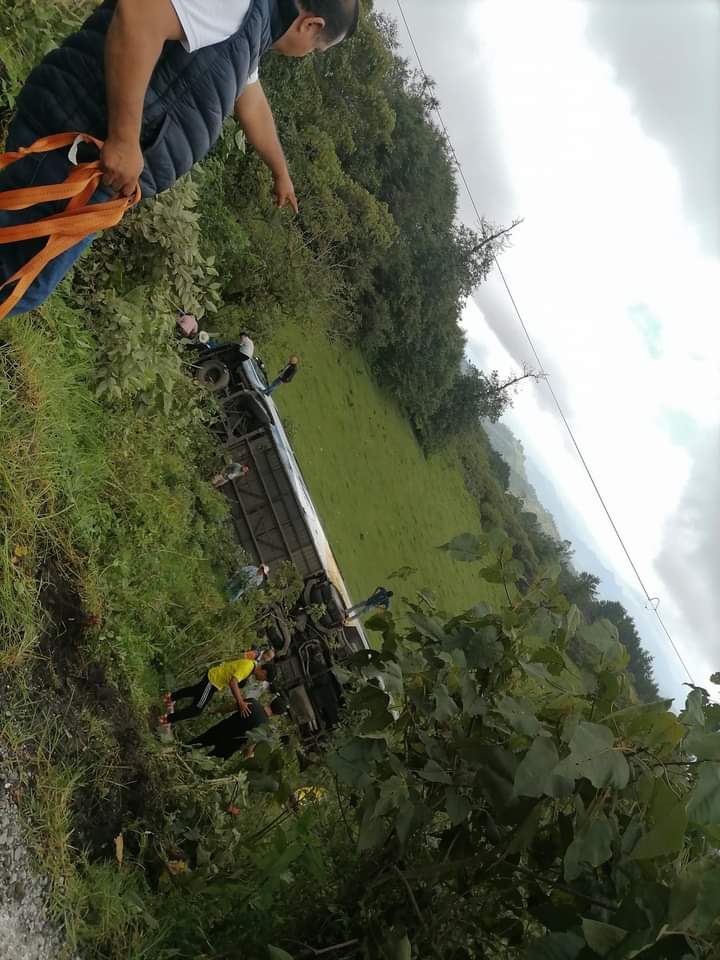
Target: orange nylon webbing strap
x=63, y=230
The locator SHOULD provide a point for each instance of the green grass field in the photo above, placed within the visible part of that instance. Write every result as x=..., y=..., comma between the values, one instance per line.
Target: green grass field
x=384, y=505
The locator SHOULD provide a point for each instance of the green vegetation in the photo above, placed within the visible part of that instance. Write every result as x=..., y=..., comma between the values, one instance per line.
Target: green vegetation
x=433, y=830
x=515, y=805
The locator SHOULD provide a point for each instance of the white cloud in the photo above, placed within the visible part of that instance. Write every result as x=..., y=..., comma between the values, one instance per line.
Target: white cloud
x=544, y=130
x=605, y=231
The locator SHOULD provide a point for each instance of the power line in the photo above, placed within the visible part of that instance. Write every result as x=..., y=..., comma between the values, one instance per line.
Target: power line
x=652, y=601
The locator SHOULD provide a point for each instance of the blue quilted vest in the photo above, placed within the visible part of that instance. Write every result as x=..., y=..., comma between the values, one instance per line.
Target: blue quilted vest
x=188, y=97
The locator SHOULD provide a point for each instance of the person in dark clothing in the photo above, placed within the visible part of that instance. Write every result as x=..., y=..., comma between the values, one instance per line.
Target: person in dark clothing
x=230, y=673
x=285, y=376
x=380, y=598
x=154, y=82
x=230, y=735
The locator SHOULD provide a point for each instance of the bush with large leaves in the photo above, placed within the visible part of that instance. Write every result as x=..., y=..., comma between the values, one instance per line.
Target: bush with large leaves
x=507, y=804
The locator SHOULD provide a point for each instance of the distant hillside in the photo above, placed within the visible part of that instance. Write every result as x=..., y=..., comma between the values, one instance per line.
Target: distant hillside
x=505, y=443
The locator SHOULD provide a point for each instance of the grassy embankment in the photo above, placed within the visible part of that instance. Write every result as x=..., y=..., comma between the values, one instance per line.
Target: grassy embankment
x=384, y=505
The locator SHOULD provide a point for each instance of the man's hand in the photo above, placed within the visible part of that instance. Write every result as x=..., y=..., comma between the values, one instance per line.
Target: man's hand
x=244, y=708
x=122, y=164
x=284, y=192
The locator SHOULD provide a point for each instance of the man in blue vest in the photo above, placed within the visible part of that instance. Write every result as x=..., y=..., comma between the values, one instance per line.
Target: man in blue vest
x=155, y=79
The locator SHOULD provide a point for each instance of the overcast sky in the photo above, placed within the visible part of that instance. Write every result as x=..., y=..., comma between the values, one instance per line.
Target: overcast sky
x=598, y=122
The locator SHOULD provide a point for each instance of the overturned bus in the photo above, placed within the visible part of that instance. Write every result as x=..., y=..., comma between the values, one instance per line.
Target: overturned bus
x=275, y=521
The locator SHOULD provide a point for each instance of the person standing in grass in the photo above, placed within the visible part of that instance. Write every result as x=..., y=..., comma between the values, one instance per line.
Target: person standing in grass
x=379, y=599
x=230, y=673
x=285, y=376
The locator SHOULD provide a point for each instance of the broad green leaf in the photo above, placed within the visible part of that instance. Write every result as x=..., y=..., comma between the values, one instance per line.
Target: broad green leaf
x=535, y=777
x=592, y=845
x=454, y=658
x=659, y=732
x=693, y=714
x=602, y=937
x=519, y=714
x=275, y=953
x=430, y=627
x=610, y=685
x=435, y=748
x=704, y=805
x=552, y=658
x=466, y=548
x=392, y=678
x=393, y=793
x=373, y=832
x=433, y=772
x=479, y=642
x=289, y=855
x=458, y=807
x=377, y=623
x=473, y=703
x=573, y=620
x=398, y=950
x=703, y=746
x=662, y=802
x=665, y=838
x=263, y=782
x=684, y=896
x=540, y=629
x=632, y=713
x=445, y=706
x=496, y=538
x=353, y=761
x=707, y=911
x=495, y=776
x=592, y=755
x=495, y=574
x=602, y=636
x=404, y=821
x=632, y=834
x=526, y=832
x=375, y=701
x=538, y=671
x=483, y=649
x=556, y=946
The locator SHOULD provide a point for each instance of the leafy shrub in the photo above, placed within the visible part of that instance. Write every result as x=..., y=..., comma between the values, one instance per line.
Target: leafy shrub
x=507, y=804
x=136, y=356
x=158, y=245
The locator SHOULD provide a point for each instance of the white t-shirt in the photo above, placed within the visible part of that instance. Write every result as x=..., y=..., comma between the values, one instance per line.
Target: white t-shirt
x=246, y=346
x=210, y=21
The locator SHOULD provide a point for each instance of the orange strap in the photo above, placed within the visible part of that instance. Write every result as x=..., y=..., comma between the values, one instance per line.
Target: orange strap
x=63, y=230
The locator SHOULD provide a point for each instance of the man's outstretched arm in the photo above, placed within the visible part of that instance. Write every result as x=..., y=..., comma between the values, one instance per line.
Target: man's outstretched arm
x=135, y=40
x=255, y=117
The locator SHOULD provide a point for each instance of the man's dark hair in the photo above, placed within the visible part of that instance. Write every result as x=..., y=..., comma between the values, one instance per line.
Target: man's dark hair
x=340, y=16
x=279, y=706
x=269, y=669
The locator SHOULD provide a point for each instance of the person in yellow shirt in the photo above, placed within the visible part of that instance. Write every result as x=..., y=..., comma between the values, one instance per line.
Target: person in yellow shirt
x=229, y=673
